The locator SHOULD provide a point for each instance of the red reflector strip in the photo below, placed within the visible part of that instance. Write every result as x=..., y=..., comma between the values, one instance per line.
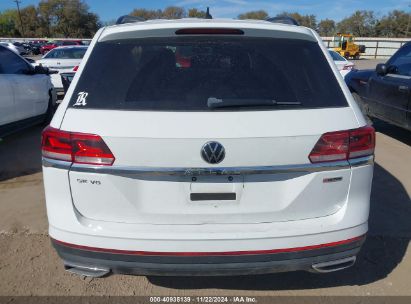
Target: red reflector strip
x=209, y=31
x=248, y=252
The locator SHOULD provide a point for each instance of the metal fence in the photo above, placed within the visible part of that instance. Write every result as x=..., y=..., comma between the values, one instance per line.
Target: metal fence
x=376, y=47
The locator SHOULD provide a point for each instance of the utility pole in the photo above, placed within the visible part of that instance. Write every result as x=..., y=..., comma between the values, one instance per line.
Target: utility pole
x=21, y=21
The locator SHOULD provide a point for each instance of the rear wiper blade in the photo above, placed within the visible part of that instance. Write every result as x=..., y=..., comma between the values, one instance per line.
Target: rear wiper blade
x=214, y=103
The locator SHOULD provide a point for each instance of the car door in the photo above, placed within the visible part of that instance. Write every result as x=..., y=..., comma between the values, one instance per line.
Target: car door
x=30, y=91
x=7, y=113
x=390, y=94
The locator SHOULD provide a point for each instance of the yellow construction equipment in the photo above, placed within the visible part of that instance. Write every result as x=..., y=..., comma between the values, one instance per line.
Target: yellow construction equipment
x=344, y=45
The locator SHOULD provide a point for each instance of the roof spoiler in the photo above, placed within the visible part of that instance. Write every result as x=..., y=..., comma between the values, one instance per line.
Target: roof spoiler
x=283, y=20
x=129, y=19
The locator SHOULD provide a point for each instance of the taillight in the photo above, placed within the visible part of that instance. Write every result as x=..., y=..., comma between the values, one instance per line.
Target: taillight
x=75, y=68
x=362, y=142
x=90, y=149
x=56, y=144
x=75, y=147
x=344, y=145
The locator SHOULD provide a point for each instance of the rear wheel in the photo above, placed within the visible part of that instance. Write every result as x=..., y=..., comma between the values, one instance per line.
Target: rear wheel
x=357, y=56
x=363, y=107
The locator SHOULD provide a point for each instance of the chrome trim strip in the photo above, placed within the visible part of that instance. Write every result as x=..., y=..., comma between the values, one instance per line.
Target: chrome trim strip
x=54, y=163
x=398, y=76
x=362, y=161
x=155, y=171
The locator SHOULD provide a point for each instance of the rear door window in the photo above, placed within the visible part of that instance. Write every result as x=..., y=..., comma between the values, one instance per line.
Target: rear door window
x=66, y=53
x=207, y=74
x=10, y=63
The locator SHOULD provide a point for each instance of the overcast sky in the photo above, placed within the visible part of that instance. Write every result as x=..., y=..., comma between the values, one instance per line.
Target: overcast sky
x=337, y=9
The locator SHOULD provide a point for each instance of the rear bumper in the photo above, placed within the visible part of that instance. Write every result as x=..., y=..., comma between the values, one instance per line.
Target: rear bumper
x=98, y=261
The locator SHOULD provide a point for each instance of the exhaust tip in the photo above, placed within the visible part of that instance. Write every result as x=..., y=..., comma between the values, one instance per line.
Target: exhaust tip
x=335, y=265
x=88, y=271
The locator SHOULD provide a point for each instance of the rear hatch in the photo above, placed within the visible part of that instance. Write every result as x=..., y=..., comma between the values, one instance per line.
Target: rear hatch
x=158, y=101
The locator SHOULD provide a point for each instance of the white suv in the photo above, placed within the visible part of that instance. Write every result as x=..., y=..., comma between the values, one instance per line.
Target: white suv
x=207, y=147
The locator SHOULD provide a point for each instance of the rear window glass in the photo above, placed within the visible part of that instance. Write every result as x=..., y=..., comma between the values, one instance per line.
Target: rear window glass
x=207, y=74
x=66, y=53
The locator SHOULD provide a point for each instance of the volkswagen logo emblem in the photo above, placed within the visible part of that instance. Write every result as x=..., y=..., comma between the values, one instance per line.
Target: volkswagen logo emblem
x=213, y=152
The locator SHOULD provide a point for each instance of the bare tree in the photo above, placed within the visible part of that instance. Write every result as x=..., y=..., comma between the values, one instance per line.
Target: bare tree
x=326, y=27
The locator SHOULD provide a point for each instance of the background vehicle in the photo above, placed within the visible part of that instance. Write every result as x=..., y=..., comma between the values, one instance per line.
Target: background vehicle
x=35, y=47
x=384, y=93
x=27, y=95
x=67, y=78
x=15, y=48
x=249, y=156
x=24, y=48
x=43, y=41
x=343, y=65
x=344, y=45
x=53, y=44
x=62, y=59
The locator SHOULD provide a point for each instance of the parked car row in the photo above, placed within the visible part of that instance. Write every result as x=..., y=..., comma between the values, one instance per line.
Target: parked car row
x=56, y=43
x=39, y=46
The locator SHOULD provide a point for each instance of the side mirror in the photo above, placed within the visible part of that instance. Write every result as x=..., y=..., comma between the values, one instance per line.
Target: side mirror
x=39, y=69
x=381, y=69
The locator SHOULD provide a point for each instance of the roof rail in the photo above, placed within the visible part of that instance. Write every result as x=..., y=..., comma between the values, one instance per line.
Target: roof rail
x=283, y=19
x=129, y=19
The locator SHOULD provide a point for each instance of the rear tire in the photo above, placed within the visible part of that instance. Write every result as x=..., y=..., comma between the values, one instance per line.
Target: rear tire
x=357, y=56
x=363, y=107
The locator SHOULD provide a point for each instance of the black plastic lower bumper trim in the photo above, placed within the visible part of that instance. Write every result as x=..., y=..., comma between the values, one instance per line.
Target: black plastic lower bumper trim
x=206, y=265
